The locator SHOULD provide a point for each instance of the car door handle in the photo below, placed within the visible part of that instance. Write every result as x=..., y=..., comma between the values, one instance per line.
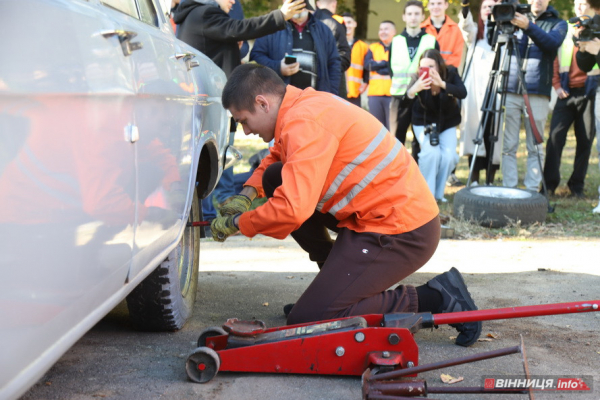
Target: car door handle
x=187, y=58
x=125, y=39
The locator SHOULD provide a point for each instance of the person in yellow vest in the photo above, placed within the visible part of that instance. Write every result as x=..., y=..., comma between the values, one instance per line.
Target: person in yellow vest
x=354, y=75
x=405, y=53
x=575, y=105
x=377, y=63
x=446, y=31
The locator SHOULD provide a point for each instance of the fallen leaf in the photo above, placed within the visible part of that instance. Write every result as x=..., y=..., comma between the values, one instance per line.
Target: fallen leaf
x=448, y=379
x=452, y=337
x=492, y=335
x=290, y=277
x=484, y=340
x=266, y=304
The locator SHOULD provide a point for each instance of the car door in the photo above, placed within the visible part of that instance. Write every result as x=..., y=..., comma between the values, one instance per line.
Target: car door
x=66, y=206
x=165, y=98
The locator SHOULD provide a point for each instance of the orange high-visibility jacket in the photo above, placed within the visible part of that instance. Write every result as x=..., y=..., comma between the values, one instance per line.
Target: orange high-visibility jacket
x=379, y=85
x=339, y=159
x=449, y=38
x=354, y=74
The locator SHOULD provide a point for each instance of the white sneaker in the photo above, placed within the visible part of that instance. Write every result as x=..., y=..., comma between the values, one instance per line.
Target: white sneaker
x=597, y=209
x=474, y=184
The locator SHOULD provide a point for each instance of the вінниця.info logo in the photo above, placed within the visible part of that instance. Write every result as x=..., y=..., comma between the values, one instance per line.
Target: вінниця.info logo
x=545, y=383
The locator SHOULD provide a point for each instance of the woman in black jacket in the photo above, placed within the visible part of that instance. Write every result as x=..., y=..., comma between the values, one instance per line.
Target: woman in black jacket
x=436, y=113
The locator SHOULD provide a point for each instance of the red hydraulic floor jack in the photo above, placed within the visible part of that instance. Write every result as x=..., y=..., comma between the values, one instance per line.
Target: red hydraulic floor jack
x=379, y=347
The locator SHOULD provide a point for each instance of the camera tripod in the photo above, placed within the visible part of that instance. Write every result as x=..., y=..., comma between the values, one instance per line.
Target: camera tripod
x=505, y=47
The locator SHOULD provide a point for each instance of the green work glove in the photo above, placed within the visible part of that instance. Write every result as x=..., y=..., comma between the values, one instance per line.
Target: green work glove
x=223, y=227
x=235, y=205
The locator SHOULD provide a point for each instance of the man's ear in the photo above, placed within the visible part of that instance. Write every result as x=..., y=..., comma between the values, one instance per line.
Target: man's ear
x=262, y=103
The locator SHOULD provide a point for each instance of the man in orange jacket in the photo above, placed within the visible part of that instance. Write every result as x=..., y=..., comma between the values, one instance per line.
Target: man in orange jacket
x=334, y=166
x=446, y=32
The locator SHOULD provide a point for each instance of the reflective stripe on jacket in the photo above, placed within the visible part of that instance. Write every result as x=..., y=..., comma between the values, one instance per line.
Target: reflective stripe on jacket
x=354, y=74
x=450, y=39
x=338, y=159
x=379, y=84
x=402, y=66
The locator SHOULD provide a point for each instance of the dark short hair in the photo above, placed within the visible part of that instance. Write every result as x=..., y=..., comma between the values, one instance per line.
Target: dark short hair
x=248, y=81
x=414, y=3
x=595, y=4
x=348, y=14
x=387, y=21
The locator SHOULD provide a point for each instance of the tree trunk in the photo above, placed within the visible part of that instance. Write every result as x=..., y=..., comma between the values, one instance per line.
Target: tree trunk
x=361, y=10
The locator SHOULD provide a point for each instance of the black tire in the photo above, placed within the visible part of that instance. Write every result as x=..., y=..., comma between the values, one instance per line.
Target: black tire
x=165, y=299
x=497, y=206
x=210, y=332
x=202, y=365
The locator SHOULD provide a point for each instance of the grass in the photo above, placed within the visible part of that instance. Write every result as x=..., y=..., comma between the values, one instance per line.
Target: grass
x=572, y=218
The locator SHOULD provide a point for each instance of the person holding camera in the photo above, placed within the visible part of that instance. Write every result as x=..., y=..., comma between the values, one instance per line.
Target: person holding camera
x=575, y=106
x=435, y=115
x=588, y=57
x=537, y=43
x=317, y=62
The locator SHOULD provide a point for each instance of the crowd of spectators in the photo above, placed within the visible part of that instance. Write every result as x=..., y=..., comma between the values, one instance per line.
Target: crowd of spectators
x=434, y=76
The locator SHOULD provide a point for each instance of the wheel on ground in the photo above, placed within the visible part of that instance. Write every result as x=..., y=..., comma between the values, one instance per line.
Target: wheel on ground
x=202, y=365
x=165, y=299
x=210, y=332
x=497, y=206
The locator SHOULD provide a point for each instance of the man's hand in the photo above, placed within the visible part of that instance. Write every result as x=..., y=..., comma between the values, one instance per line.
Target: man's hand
x=591, y=46
x=520, y=21
x=223, y=227
x=289, y=69
x=562, y=93
x=235, y=205
x=363, y=87
x=292, y=7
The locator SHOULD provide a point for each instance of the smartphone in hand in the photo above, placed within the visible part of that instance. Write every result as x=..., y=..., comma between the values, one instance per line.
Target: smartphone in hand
x=424, y=70
x=289, y=59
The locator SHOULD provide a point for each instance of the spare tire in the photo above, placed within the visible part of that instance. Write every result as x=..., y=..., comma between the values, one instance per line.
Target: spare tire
x=497, y=206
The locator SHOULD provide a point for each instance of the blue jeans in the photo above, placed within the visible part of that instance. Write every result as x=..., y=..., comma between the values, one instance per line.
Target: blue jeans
x=436, y=162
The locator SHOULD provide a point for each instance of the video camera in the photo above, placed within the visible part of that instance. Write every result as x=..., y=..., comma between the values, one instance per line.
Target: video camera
x=590, y=29
x=504, y=12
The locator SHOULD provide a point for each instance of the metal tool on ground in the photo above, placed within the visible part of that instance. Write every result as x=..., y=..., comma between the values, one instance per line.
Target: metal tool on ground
x=344, y=346
x=382, y=387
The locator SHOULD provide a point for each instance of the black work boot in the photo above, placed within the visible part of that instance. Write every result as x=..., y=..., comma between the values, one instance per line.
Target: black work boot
x=455, y=298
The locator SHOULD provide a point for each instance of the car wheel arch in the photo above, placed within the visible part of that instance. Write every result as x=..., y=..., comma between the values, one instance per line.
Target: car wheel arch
x=208, y=169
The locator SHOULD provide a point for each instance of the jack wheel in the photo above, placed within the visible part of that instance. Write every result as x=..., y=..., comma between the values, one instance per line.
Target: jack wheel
x=202, y=365
x=210, y=332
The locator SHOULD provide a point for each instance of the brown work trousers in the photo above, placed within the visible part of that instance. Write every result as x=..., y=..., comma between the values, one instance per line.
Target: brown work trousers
x=358, y=267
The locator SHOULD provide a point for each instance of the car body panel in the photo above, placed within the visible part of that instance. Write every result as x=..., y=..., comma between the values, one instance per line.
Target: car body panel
x=86, y=213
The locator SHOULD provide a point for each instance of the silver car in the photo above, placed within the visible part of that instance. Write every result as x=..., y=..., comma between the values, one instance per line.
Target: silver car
x=111, y=131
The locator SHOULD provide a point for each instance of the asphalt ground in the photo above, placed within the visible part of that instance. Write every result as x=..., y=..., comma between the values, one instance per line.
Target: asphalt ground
x=254, y=279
